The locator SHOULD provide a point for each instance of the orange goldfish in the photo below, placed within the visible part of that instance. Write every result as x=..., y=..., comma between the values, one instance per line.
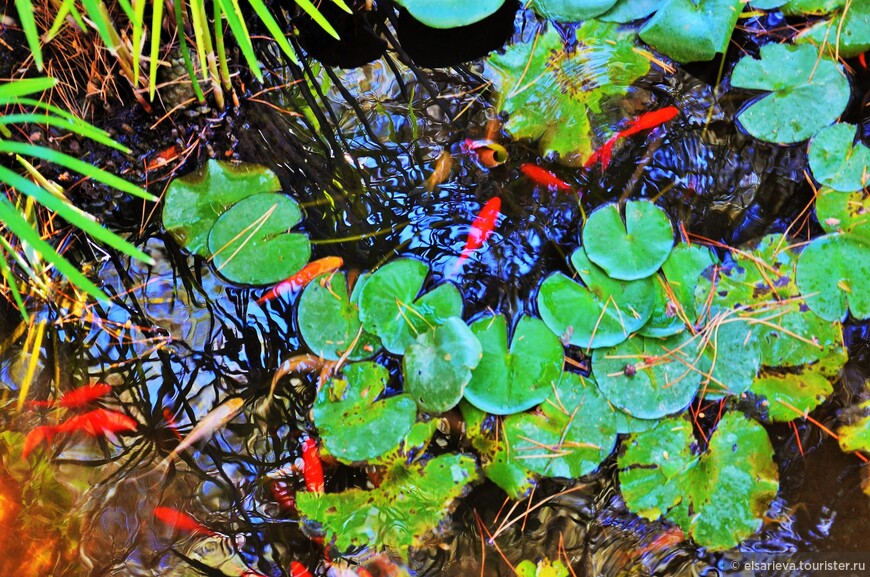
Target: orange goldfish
x=481, y=228
x=643, y=122
x=303, y=277
x=181, y=521
x=443, y=166
x=543, y=177
x=78, y=397
x=98, y=422
x=312, y=468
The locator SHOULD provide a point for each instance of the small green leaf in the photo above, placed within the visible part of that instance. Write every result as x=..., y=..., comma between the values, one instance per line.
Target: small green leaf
x=691, y=31
x=630, y=10
x=806, y=92
x=354, y=422
x=844, y=37
x=833, y=274
x=731, y=358
x=683, y=270
x=803, y=7
x=844, y=211
x=837, y=161
x=505, y=381
x=437, y=367
x=633, y=249
x=450, y=13
x=250, y=244
x=855, y=436
x=570, y=10
x=664, y=321
x=791, y=395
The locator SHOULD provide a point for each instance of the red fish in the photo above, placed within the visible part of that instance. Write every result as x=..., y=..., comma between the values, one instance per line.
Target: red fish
x=490, y=154
x=282, y=493
x=303, y=277
x=312, y=468
x=297, y=569
x=35, y=437
x=643, y=122
x=99, y=422
x=481, y=228
x=603, y=154
x=181, y=521
x=543, y=177
x=78, y=397
x=171, y=423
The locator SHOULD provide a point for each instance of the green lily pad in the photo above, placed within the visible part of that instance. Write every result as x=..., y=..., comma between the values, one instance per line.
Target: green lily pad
x=509, y=381
x=329, y=320
x=626, y=424
x=722, y=495
x=410, y=503
x=194, y=202
x=682, y=271
x=390, y=309
x=438, y=365
x=410, y=448
x=856, y=435
x=630, y=10
x=570, y=10
x=846, y=36
x=804, y=7
x=664, y=321
x=837, y=161
x=691, y=31
x=250, y=242
x=602, y=313
x=806, y=93
x=731, y=359
x=767, y=4
x=789, y=395
x=550, y=94
x=833, y=274
x=570, y=435
x=844, y=211
x=354, y=423
x=633, y=249
x=641, y=377
x=450, y=13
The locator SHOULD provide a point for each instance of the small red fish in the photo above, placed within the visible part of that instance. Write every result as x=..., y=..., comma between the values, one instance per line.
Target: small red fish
x=862, y=60
x=181, y=521
x=303, y=277
x=643, y=122
x=481, y=228
x=543, y=177
x=36, y=436
x=603, y=154
x=99, y=422
x=78, y=397
x=312, y=468
x=297, y=569
x=171, y=423
x=283, y=495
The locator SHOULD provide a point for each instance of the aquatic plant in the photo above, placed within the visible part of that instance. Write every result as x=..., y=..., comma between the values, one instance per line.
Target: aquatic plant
x=450, y=13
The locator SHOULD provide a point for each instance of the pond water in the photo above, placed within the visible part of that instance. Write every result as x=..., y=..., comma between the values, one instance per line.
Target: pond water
x=355, y=150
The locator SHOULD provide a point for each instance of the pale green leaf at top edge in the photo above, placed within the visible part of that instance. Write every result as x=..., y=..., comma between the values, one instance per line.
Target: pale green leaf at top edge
x=97, y=13
x=275, y=30
x=843, y=36
x=447, y=14
x=833, y=275
x=692, y=31
x=789, y=396
x=837, y=161
x=570, y=10
x=315, y=15
x=28, y=25
x=625, y=11
x=767, y=4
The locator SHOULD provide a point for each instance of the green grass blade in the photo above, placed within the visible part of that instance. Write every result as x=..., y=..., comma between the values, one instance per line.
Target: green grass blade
x=138, y=23
x=128, y=8
x=82, y=128
x=230, y=9
x=13, y=220
x=71, y=214
x=154, y=61
x=343, y=6
x=315, y=14
x=28, y=25
x=275, y=30
x=13, y=286
x=185, y=51
x=219, y=48
x=199, y=22
x=99, y=16
x=24, y=87
x=68, y=161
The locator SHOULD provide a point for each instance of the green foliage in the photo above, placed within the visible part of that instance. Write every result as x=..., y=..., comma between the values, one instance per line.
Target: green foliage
x=837, y=161
x=552, y=95
x=803, y=7
x=788, y=396
x=544, y=568
x=355, y=423
x=510, y=381
x=690, y=31
x=450, y=13
x=629, y=10
x=719, y=497
x=633, y=249
x=806, y=92
x=855, y=436
x=409, y=503
x=845, y=35
x=731, y=358
x=834, y=273
x=570, y=10
x=843, y=211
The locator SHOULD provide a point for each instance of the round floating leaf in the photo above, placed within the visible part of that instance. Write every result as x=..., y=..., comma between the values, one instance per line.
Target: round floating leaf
x=731, y=358
x=803, y=7
x=833, y=274
x=807, y=93
x=856, y=435
x=683, y=270
x=836, y=161
x=550, y=94
x=633, y=249
x=626, y=424
x=329, y=321
x=194, y=202
x=844, y=37
x=648, y=378
x=570, y=10
x=767, y=4
x=791, y=395
x=602, y=313
x=505, y=381
x=250, y=244
x=629, y=10
x=664, y=321
x=571, y=435
x=438, y=365
x=353, y=422
x=692, y=30
x=844, y=211
x=450, y=13
x=389, y=310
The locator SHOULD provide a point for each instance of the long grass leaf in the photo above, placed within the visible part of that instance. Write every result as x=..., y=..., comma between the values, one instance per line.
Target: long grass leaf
x=13, y=286
x=185, y=50
x=58, y=22
x=198, y=21
x=138, y=23
x=219, y=48
x=315, y=14
x=230, y=9
x=13, y=220
x=81, y=128
x=127, y=8
x=99, y=16
x=31, y=365
x=341, y=4
x=156, y=33
x=68, y=161
x=28, y=25
x=24, y=87
x=275, y=30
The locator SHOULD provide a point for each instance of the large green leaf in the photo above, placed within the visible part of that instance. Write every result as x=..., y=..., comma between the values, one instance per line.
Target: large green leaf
x=806, y=92
x=570, y=10
x=837, y=161
x=510, y=381
x=855, y=436
x=789, y=395
x=629, y=10
x=718, y=498
x=550, y=94
x=844, y=211
x=399, y=514
x=689, y=31
x=802, y=7
x=390, y=309
x=648, y=378
x=450, y=13
x=602, y=313
x=437, y=367
x=845, y=36
x=354, y=423
x=569, y=436
x=250, y=242
x=194, y=202
x=633, y=249
x=833, y=274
